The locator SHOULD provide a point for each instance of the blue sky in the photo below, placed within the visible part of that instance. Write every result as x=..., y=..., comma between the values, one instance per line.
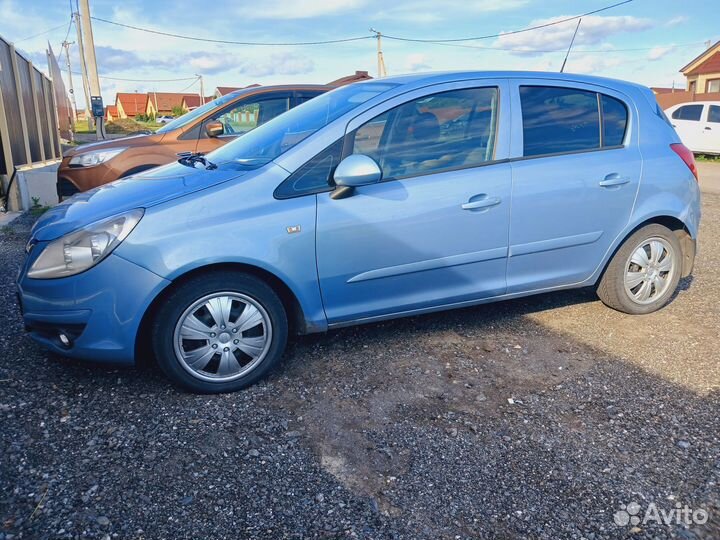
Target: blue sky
x=670, y=33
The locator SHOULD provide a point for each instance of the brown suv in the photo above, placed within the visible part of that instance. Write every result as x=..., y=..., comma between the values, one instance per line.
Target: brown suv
x=201, y=130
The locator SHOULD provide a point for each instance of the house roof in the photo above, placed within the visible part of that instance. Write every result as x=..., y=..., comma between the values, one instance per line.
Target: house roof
x=165, y=101
x=193, y=101
x=111, y=110
x=711, y=65
x=702, y=59
x=348, y=79
x=132, y=103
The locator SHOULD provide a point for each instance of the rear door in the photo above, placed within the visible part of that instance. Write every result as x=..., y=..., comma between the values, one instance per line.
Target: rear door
x=710, y=132
x=574, y=183
x=686, y=120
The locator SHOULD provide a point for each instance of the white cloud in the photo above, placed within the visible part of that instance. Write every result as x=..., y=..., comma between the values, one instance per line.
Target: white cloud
x=593, y=64
x=677, y=21
x=593, y=30
x=429, y=11
x=656, y=53
x=417, y=62
x=300, y=9
x=277, y=64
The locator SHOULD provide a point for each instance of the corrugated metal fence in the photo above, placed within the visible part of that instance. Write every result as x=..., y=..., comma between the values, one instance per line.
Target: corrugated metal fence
x=28, y=119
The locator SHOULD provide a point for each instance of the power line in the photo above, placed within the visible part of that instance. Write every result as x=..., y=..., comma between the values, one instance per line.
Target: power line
x=144, y=80
x=528, y=29
x=230, y=42
x=41, y=33
x=189, y=85
x=588, y=51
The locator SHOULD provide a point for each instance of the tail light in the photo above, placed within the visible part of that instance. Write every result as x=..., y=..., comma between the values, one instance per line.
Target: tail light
x=687, y=156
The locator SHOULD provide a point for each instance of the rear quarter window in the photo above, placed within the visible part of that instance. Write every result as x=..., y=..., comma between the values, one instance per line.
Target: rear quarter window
x=614, y=118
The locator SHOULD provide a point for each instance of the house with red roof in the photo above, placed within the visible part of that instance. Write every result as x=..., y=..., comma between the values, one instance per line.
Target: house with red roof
x=129, y=105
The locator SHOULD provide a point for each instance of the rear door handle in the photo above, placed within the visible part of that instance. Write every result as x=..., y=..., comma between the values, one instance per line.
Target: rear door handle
x=612, y=180
x=708, y=129
x=481, y=201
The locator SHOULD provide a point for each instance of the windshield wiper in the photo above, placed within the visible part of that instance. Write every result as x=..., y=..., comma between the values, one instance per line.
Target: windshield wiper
x=189, y=159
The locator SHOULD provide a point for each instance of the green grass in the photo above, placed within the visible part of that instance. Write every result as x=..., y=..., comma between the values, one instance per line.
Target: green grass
x=706, y=158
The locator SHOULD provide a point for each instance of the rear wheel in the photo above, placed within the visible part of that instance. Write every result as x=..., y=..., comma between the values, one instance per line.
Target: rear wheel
x=220, y=332
x=644, y=273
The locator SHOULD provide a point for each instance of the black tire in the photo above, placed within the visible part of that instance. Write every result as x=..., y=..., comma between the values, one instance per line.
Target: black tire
x=611, y=288
x=186, y=295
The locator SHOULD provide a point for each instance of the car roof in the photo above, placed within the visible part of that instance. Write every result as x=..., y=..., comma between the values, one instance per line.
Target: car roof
x=258, y=89
x=697, y=103
x=424, y=79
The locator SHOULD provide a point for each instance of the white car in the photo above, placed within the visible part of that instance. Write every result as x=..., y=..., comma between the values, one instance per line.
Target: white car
x=164, y=119
x=698, y=125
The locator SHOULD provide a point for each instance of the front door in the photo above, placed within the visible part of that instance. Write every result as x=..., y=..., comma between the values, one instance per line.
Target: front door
x=573, y=186
x=434, y=231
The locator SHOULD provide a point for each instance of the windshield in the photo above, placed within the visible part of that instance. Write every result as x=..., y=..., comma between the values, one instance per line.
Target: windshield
x=191, y=116
x=277, y=136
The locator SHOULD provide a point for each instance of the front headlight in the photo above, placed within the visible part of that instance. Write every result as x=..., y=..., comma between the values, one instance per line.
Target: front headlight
x=84, y=248
x=88, y=159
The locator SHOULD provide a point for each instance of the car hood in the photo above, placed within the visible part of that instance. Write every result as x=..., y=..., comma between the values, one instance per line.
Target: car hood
x=139, y=191
x=122, y=142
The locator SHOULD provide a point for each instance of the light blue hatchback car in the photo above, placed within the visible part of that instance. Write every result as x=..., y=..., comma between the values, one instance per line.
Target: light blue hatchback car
x=381, y=199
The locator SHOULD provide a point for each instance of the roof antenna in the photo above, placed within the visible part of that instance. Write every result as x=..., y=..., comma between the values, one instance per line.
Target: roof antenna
x=571, y=44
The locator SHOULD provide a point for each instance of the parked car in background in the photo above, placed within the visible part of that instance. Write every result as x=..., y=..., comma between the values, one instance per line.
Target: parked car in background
x=698, y=124
x=377, y=200
x=164, y=119
x=201, y=130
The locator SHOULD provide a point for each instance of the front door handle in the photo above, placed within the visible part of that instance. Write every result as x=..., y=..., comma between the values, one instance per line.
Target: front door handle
x=708, y=129
x=613, y=179
x=479, y=202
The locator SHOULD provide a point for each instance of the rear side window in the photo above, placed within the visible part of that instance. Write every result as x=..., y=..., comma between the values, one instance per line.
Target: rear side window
x=688, y=112
x=714, y=113
x=614, y=118
x=560, y=120
x=443, y=131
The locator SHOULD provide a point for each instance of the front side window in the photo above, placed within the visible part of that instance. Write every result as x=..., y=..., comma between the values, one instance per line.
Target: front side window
x=714, y=113
x=558, y=120
x=688, y=112
x=247, y=115
x=438, y=132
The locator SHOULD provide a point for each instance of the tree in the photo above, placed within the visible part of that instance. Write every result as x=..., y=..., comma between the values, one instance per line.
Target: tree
x=177, y=111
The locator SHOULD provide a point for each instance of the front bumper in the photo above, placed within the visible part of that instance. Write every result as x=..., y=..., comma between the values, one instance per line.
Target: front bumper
x=99, y=311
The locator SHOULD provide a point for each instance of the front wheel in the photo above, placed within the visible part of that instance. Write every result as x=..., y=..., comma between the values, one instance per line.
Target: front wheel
x=220, y=332
x=644, y=273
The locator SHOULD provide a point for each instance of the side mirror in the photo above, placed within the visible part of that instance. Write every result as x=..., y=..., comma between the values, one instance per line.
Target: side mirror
x=214, y=129
x=357, y=170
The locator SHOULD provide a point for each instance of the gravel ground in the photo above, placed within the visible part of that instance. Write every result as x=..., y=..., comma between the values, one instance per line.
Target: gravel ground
x=535, y=418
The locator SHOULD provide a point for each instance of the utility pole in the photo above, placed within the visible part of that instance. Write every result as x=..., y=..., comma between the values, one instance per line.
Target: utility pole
x=381, y=71
x=73, y=102
x=202, y=90
x=91, y=62
x=83, y=69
